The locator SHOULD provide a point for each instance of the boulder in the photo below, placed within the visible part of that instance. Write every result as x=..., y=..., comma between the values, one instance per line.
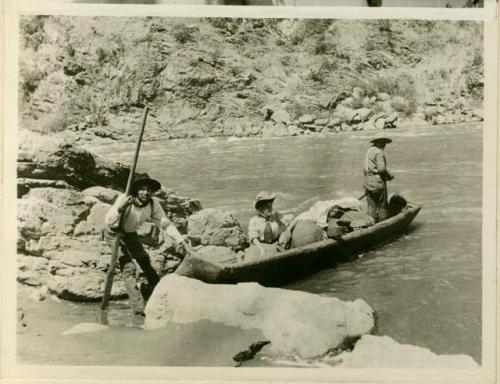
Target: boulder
x=274, y=130
x=306, y=119
x=364, y=113
x=383, y=352
x=382, y=96
x=24, y=185
x=32, y=270
x=94, y=224
x=358, y=93
x=293, y=130
x=106, y=195
x=478, y=114
x=39, y=294
x=76, y=258
x=296, y=323
x=334, y=122
x=178, y=206
x=321, y=122
x=281, y=116
x=347, y=101
x=62, y=198
x=92, y=243
x=369, y=125
x=369, y=101
x=215, y=227
x=380, y=123
x=216, y=254
x=312, y=127
x=391, y=120
x=83, y=284
x=58, y=160
x=37, y=217
x=347, y=115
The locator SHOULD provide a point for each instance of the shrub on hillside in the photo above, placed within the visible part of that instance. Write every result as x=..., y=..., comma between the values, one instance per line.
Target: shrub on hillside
x=406, y=106
x=182, y=33
x=225, y=25
x=474, y=83
x=33, y=31
x=322, y=46
x=29, y=81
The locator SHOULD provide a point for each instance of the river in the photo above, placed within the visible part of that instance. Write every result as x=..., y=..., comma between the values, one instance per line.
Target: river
x=426, y=286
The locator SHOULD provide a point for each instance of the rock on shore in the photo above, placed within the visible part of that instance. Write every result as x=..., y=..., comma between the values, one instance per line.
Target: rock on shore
x=284, y=316
x=383, y=352
x=215, y=227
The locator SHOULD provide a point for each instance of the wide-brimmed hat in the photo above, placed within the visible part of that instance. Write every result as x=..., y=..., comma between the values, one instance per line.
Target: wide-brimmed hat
x=263, y=196
x=381, y=137
x=142, y=181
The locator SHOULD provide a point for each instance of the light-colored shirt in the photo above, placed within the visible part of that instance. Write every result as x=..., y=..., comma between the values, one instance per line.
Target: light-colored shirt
x=136, y=216
x=257, y=226
x=375, y=162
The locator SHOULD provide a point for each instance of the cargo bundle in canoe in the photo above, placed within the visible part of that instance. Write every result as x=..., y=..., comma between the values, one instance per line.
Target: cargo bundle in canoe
x=284, y=266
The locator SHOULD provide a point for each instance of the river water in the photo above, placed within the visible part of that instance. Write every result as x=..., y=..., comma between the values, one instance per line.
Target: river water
x=426, y=286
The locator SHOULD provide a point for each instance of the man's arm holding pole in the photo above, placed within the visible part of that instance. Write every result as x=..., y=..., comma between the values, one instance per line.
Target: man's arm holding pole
x=103, y=314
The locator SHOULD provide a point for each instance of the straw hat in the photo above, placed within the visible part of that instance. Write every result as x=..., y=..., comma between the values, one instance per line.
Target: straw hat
x=381, y=137
x=144, y=181
x=263, y=196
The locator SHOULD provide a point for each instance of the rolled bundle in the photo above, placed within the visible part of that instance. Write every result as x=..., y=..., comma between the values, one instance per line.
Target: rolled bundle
x=306, y=232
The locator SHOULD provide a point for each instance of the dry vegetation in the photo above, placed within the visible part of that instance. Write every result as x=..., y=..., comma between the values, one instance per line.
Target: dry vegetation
x=90, y=75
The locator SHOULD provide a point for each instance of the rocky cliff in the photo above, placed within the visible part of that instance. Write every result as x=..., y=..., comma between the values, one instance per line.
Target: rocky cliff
x=89, y=77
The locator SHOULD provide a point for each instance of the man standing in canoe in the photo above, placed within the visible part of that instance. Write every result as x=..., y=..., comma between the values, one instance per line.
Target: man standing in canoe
x=127, y=214
x=376, y=177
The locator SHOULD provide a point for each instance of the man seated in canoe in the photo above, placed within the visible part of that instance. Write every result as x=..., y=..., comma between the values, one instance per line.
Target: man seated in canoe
x=267, y=230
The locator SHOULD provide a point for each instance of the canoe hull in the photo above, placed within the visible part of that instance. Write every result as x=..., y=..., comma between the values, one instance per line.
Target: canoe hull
x=294, y=263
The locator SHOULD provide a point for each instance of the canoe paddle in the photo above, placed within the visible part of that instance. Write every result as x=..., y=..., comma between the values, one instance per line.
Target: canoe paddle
x=103, y=310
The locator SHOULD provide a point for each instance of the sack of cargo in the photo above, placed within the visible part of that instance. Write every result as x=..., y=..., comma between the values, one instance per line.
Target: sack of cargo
x=306, y=232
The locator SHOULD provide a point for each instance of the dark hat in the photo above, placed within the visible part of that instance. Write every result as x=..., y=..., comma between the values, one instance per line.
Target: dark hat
x=381, y=137
x=142, y=181
x=263, y=196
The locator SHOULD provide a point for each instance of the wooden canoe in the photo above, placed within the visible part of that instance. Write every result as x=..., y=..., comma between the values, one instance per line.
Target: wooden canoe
x=294, y=263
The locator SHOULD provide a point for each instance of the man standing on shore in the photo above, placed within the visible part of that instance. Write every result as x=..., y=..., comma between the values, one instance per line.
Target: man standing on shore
x=127, y=214
x=376, y=177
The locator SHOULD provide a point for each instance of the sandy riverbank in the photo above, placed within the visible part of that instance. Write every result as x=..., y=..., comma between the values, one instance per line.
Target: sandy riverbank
x=200, y=344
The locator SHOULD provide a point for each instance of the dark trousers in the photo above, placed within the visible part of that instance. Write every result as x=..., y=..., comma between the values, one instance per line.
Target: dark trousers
x=377, y=203
x=131, y=249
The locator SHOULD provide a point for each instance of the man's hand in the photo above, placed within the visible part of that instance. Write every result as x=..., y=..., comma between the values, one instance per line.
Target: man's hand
x=125, y=203
x=285, y=238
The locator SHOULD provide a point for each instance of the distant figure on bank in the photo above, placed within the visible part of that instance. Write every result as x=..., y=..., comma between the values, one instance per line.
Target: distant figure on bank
x=376, y=177
x=126, y=215
x=267, y=226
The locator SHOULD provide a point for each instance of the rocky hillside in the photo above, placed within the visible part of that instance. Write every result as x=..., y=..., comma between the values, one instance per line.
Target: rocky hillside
x=89, y=77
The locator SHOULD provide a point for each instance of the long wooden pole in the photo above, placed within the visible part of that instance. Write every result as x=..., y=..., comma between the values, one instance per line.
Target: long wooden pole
x=103, y=311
